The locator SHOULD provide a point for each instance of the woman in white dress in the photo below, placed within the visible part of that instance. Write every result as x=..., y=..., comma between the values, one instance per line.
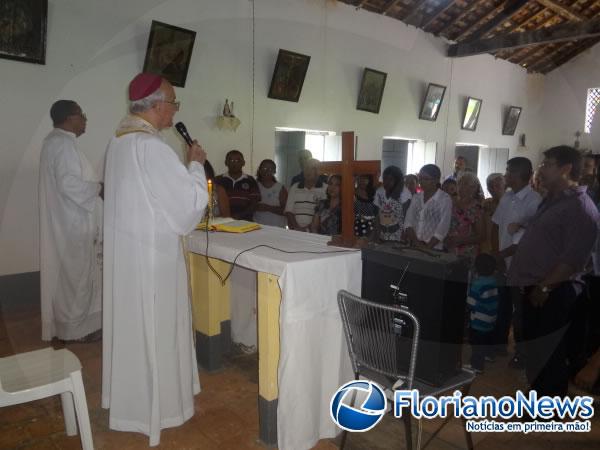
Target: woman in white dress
x=273, y=196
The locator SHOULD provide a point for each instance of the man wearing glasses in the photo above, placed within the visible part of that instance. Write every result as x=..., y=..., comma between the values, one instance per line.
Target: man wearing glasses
x=70, y=232
x=547, y=269
x=149, y=372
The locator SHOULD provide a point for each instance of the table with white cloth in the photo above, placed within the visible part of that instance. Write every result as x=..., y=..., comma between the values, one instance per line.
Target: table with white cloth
x=303, y=358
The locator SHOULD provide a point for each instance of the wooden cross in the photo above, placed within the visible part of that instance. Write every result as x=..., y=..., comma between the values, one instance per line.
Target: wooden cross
x=348, y=168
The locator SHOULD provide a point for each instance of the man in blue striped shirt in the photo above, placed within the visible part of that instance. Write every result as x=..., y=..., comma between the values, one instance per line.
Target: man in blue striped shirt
x=483, y=307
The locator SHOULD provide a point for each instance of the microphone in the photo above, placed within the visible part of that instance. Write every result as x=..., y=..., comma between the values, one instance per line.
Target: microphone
x=180, y=127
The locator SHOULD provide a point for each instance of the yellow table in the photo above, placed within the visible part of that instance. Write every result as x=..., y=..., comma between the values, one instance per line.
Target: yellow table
x=211, y=316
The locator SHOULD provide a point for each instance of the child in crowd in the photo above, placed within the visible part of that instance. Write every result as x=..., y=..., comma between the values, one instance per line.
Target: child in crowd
x=364, y=209
x=412, y=183
x=273, y=196
x=392, y=201
x=483, y=305
x=450, y=187
x=328, y=213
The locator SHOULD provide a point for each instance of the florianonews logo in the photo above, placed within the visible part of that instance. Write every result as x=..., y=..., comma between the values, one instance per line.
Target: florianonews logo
x=369, y=406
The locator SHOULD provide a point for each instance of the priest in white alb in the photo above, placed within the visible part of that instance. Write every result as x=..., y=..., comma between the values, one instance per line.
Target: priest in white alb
x=149, y=371
x=70, y=232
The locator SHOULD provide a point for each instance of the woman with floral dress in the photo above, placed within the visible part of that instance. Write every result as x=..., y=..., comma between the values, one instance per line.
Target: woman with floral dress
x=466, y=225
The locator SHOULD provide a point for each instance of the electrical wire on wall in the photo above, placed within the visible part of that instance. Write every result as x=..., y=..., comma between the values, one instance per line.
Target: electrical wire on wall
x=253, y=84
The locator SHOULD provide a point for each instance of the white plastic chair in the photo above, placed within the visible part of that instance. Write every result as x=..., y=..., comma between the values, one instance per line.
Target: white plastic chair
x=30, y=376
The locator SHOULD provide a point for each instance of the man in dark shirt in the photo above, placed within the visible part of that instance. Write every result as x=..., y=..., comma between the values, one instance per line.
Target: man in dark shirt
x=241, y=188
x=547, y=266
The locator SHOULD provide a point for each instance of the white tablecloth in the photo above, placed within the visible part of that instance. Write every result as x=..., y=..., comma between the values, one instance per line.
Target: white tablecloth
x=313, y=359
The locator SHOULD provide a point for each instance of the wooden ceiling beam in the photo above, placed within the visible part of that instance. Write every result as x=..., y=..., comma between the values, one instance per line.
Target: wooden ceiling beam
x=523, y=53
x=444, y=6
x=564, y=11
x=558, y=33
x=502, y=13
x=550, y=57
x=533, y=57
x=390, y=6
x=540, y=25
x=468, y=10
x=478, y=23
x=551, y=65
x=527, y=21
x=414, y=13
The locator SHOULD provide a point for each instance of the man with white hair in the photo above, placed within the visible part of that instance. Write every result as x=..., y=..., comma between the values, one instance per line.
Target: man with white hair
x=149, y=371
x=496, y=187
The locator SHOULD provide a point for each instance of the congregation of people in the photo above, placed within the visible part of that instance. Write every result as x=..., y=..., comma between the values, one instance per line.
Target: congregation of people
x=532, y=248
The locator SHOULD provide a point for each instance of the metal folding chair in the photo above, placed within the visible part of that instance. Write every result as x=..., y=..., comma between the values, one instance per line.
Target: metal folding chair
x=376, y=337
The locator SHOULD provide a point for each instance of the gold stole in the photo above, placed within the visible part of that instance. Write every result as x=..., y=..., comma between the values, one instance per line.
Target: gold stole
x=134, y=124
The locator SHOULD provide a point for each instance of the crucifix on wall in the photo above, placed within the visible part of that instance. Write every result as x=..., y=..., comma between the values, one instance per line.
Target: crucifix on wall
x=348, y=168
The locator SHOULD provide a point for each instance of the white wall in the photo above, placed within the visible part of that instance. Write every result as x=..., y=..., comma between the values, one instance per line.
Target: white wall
x=565, y=94
x=95, y=47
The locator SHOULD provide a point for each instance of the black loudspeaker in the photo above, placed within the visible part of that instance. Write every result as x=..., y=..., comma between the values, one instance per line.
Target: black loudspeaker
x=435, y=285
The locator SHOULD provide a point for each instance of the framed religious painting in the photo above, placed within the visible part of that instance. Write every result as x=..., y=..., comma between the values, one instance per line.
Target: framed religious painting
x=23, y=30
x=288, y=76
x=511, y=120
x=169, y=52
x=371, y=90
x=472, y=110
x=432, y=102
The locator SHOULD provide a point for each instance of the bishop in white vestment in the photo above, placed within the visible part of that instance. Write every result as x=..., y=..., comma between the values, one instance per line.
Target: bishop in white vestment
x=70, y=231
x=149, y=373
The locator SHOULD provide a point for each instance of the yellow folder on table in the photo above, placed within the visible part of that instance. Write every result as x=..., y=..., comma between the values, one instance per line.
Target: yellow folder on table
x=229, y=225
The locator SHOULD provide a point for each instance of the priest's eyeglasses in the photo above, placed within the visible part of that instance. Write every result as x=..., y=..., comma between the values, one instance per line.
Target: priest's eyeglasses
x=175, y=104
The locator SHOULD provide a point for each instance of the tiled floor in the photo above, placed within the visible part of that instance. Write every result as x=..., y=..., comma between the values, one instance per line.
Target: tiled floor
x=226, y=409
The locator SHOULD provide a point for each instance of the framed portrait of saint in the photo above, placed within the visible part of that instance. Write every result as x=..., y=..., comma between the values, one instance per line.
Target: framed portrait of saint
x=432, y=102
x=371, y=90
x=169, y=52
x=288, y=76
x=471, y=116
x=23, y=26
x=511, y=120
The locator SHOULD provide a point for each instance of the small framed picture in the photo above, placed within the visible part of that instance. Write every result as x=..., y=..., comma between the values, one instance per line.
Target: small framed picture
x=288, y=76
x=511, y=120
x=472, y=111
x=23, y=26
x=371, y=90
x=169, y=52
x=432, y=103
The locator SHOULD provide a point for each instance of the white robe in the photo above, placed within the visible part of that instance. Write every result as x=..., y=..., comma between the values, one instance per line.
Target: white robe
x=70, y=240
x=149, y=371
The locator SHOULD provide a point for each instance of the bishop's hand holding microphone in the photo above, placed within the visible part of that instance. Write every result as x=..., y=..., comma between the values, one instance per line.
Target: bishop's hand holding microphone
x=195, y=150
